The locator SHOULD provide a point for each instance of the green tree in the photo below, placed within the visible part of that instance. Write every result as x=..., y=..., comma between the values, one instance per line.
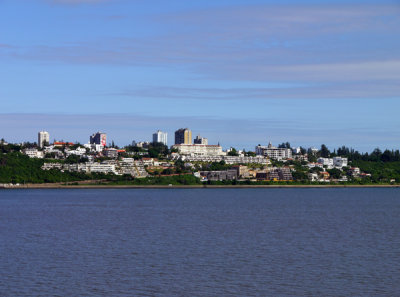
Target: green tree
x=325, y=153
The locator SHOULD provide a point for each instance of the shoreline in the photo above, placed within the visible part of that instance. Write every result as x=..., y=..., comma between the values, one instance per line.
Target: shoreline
x=63, y=186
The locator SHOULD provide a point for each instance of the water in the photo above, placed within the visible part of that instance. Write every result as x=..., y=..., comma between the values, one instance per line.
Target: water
x=222, y=242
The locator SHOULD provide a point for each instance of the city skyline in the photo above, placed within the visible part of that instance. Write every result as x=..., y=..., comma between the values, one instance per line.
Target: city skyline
x=239, y=72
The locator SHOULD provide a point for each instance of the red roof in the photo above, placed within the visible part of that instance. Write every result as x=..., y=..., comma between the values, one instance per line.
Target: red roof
x=63, y=143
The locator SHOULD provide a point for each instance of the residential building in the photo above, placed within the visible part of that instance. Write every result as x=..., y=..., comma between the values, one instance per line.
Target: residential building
x=100, y=168
x=200, y=140
x=313, y=177
x=111, y=153
x=313, y=165
x=94, y=147
x=274, y=152
x=230, y=174
x=43, y=138
x=161, y=137
x=340, y=162
x=80, y=151
x=199, y=149
x=245, y=160
x=143, y=144
x=355, y=171
x=276, y=174
x=49, y=166
x=33, y=153
x=183, y=136
x=149, y=161
x=296, y=150
x=326, y=162
x=219, y=158
x=325, y=175
x=242, y=171
x=99, y=138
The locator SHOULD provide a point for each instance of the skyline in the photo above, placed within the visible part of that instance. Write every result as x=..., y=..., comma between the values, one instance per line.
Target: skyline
x=232, y=71
x=110, y=141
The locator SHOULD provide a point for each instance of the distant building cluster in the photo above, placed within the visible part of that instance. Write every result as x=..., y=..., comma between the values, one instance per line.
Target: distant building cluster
x=265, y=163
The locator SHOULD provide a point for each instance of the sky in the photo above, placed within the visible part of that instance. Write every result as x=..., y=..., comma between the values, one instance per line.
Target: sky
x=238, y=72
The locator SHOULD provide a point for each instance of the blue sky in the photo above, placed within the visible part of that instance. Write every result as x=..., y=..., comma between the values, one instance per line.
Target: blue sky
x=238, y=72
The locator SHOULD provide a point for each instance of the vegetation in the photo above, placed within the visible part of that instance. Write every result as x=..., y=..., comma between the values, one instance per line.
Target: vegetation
x=18, y=168
x=379, y=167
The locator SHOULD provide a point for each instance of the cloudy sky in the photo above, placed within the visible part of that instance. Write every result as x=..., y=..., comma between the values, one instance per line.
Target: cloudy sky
x=240, y=72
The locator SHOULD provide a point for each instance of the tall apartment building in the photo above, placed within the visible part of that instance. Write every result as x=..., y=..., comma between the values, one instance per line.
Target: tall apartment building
x=43, y=138
x=200, y=140
x=183, y=136
x=99, y=138
x=160, y=136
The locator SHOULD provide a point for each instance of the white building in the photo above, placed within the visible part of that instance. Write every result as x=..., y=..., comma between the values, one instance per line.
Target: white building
x=49, y=166
x=333, y=162
x=100, y=168
x=228, y=159
x=274, y=152
x=80, y=151
x=33, y=153
x=340, y=162
x=43, y=138
x=94, y=147
x=296, y=150
x=160, y=136
x=199, y=149
x=326, y=162
x=313, y=177
x=313, y=165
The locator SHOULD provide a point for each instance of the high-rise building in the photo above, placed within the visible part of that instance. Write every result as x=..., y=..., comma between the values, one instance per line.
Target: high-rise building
x=200, y=140
x=43, y=138
x=160, y=136
x=183, y=136
x=99, y=138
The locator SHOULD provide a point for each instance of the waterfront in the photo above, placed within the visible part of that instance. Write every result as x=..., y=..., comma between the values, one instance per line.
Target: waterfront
x=200, y=242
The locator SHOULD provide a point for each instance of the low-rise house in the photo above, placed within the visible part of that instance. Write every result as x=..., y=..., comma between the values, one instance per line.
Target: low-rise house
x=33, y=153
x=313, y=177
x=313, y=165
x=149, y=161
x=80, y=151
x=49, y=166
x=354, y=171
x=325, y=175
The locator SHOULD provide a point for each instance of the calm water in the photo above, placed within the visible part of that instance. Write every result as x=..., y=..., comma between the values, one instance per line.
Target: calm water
x=223, y=242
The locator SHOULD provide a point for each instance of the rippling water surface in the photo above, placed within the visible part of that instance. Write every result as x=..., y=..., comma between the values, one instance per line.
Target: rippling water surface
x=202, y=242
